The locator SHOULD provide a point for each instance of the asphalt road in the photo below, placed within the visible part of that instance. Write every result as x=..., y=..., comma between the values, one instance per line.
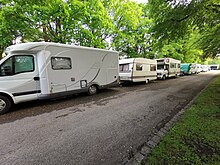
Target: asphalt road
x=104, y=129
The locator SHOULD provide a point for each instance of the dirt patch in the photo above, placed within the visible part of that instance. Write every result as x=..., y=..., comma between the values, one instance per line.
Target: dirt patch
x=205, y=150
x=217, y=115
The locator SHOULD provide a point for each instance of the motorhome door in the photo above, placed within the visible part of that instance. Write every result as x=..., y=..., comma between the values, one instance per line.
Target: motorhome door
x=19, y=76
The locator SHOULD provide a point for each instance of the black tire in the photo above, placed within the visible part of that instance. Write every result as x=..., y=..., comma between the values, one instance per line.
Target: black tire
x=92, y=90
x=164, y=77
x=5, y=104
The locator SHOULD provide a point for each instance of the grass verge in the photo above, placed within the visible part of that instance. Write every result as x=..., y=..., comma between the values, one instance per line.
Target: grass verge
x=195, y=138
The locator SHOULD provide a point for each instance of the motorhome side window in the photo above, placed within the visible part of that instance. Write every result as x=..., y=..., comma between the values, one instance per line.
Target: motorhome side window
x=124, y=67
x=139, y=67
x=17, y=64
x=172, y=65
x=61, y=63
x=152, y=67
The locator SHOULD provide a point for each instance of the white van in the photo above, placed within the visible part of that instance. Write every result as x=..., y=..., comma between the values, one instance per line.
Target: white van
x=41, y=70
x=137, y=70
x=167, y=67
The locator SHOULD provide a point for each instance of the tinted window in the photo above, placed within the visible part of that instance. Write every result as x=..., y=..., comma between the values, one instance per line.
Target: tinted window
x=160, y=66
x=17, y=64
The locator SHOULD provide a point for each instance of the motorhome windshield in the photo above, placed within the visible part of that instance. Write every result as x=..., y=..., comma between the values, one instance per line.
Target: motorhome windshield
x=160, y=67
x=193, y=66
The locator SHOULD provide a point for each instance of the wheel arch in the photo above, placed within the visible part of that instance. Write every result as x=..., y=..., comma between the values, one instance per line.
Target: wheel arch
x=95, y=84
x=9, y=96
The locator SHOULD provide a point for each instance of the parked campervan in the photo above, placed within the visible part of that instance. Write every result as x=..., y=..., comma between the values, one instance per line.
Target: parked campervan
x=190, y=68
x=205, y=68
x=167, y=67
x=41, y=70
x=137, y=70
x=185, y=68
x=214, y=67
x=193, y=68
x=199, y=68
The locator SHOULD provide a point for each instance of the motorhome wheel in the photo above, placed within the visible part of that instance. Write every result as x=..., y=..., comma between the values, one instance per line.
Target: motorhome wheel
x=5, y=104
x=92, y=90
x=164, y=77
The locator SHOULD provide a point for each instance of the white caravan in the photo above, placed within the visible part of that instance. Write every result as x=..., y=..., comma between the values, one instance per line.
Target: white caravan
x=41, y=70
x=167, y=67
x=137, y=70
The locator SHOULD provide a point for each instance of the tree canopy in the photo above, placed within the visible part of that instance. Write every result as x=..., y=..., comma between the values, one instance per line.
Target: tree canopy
x=189, y=20
x=185, y=29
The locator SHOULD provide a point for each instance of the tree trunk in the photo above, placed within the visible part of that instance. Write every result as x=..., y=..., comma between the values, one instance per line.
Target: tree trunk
x=1, y=51
x=45, y=36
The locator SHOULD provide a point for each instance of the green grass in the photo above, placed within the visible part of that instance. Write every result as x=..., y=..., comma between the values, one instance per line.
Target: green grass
x=195, y=138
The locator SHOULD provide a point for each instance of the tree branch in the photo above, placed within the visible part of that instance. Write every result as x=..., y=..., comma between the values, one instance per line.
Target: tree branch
x=180, y=20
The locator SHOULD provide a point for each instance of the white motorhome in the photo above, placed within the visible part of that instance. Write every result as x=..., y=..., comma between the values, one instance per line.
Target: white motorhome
x=42, y=70
x=137, y=70
x=193, y=68
x=213, y=67
x=199, y=68
x=205, y=68
x=167, y=67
